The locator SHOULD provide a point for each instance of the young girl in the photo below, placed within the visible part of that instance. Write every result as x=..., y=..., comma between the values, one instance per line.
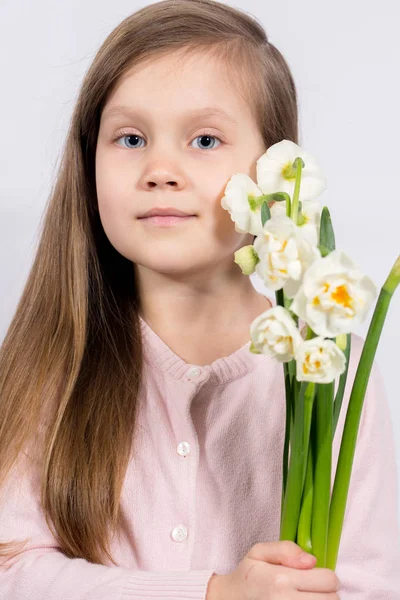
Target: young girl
x=141, y=441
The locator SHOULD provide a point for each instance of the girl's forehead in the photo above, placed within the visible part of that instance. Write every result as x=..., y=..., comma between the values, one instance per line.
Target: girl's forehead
x=196, y=68
x=199, y=79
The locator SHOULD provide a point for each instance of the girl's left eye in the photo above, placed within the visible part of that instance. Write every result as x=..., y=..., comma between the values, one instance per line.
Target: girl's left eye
x=132, y=136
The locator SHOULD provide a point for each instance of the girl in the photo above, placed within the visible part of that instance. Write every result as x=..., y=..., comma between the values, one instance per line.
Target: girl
x=140, y=441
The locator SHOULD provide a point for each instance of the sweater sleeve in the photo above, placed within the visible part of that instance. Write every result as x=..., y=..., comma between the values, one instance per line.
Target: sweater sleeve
x=42, y=571
x=368, y=564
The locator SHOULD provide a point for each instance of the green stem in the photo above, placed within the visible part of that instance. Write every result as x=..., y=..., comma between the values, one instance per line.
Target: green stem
x=393, y=279
x=288, y=207
x=294, y=389
x=287, y=431
x=304, y=529
x=342, y=385
x=255, y=202
x=350, y=432
x=298, y=458
x=296, y=168
x=323, y=469
x=279, y=297
x=308, y=412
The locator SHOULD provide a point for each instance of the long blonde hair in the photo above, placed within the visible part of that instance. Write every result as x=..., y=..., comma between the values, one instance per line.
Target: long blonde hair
x=71, y=360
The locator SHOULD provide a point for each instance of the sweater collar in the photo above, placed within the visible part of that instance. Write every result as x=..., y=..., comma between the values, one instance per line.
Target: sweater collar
x=238, y=364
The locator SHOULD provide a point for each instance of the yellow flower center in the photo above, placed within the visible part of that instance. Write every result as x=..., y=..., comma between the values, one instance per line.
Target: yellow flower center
x=341, y=296
x=306, y=364
x=308, y=367
x=287, y=339
x=288, y=172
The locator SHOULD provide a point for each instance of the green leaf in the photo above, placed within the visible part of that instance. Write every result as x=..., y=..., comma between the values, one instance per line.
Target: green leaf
x=324, y=251
x=326, y=233
x=265, y=213
x=351, y=426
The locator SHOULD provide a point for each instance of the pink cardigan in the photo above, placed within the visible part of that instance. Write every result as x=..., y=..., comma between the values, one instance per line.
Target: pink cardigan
x=205, y=486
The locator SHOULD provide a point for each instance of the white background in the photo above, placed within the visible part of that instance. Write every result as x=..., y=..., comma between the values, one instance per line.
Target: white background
x=345, y=58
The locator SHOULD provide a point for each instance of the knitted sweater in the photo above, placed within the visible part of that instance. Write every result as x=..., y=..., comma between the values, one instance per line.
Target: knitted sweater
x=204, y=486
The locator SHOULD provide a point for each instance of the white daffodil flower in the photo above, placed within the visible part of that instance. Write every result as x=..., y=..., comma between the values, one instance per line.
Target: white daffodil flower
x=319, y=360
x=239, y=200
x=335, y=296
x=275, y=172
x=275, y=333
x=311, y=211
x=284, y=255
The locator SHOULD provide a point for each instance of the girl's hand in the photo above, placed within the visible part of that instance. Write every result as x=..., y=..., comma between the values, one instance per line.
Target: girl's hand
x=273, y=571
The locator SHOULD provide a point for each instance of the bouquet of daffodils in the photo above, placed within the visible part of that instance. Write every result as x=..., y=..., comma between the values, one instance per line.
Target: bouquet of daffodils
x=294, y=254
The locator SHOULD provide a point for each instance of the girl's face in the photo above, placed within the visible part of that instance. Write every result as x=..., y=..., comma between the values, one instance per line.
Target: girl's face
x=154, y=152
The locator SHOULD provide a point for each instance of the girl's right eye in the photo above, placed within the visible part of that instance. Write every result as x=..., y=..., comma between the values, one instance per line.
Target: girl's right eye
x=128, y=135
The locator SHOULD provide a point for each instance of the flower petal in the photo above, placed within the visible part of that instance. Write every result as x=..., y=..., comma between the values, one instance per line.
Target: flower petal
x=271, y=166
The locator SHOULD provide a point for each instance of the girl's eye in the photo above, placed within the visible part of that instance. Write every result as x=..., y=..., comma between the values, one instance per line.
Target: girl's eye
x=206, y=137
x=133, y=138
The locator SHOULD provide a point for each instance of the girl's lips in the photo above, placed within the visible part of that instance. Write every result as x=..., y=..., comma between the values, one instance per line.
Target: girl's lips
x=165, y=221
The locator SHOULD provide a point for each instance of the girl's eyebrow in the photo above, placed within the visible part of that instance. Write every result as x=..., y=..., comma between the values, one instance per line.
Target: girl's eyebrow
x=194, y=113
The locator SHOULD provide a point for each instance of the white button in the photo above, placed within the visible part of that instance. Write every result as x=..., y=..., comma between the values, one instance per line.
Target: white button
x=194, y=372
x=183, y=448
x=179, y=534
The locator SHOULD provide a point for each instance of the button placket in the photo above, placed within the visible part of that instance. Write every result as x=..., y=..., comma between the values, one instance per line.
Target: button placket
x=180, y=533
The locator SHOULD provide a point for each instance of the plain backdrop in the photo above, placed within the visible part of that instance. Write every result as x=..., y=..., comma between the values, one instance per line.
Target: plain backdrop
x=345, y=58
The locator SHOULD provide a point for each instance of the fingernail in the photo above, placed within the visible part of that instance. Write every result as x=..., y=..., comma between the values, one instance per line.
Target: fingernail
x=306, y=558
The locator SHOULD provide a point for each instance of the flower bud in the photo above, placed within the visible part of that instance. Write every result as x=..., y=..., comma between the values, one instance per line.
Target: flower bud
x=341, y=341
x=254, y=349
x=247, y=258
